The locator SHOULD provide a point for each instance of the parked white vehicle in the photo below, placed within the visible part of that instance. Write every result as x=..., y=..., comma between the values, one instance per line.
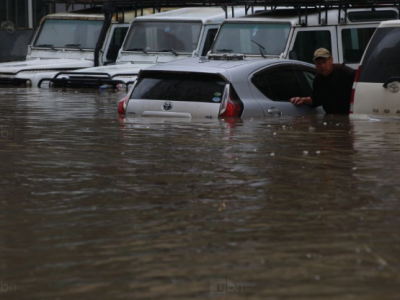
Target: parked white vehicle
x=377, y=86
x=153, y=39
x=297, y=33
x=70, y=41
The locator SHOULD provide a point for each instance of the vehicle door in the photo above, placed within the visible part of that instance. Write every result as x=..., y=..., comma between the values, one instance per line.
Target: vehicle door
x=274, y=86
x=377, y=91
x=308, y=39
x=113, y=42
x=353, y=40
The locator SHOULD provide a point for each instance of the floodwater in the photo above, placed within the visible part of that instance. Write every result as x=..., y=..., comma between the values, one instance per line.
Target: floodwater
x=93, y=207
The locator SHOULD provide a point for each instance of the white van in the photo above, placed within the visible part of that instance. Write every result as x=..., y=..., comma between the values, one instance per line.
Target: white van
x=377, y=86
x=151, y=40
x=297, y=33
x=69, y=41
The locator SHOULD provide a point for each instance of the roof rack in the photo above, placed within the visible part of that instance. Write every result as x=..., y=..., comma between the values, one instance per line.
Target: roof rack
x=183, y=3
x=301, y=6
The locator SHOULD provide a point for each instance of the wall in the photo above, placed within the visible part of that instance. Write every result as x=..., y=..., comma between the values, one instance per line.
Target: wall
x=14, y=34
x=14, y=44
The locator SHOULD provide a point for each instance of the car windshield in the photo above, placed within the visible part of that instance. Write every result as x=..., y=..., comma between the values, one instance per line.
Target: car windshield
x=163, y=37
x=382, y=59
x=252, y=38
x=82, y=34
x=193, y=87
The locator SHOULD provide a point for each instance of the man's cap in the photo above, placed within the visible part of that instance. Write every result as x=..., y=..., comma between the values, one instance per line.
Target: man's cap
x=321, y=53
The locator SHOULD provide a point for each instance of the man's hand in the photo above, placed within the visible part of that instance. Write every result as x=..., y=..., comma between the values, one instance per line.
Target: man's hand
x=301, y=100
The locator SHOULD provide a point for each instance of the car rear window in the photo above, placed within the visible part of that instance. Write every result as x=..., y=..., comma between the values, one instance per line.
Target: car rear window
x=195, y=87
x=382, y=59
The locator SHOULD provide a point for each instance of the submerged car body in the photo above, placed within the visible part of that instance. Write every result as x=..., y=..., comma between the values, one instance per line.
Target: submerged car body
x=151, y=40
x=220, y=86
x=377, y=87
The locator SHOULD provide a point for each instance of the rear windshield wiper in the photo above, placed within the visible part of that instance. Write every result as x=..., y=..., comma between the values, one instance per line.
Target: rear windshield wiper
x=261, y=48
x=169, y=50
x=224, y=50
x=137, y=49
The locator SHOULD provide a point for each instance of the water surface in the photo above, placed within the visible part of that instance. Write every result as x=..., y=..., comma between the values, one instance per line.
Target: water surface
x=94, y=207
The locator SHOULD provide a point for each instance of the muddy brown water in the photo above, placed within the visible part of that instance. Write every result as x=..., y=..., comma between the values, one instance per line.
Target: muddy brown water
x=93, y=207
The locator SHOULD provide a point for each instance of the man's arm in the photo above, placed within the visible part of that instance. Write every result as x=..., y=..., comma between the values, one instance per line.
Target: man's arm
x=302, y=100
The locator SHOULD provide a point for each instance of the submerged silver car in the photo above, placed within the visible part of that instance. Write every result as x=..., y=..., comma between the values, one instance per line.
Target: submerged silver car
x=220, y=86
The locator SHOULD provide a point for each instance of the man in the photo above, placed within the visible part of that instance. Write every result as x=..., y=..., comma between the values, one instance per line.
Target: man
x=332, y=85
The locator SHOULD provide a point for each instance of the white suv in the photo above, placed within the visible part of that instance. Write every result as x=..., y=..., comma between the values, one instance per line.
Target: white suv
x=377, y=85
x=296, y=33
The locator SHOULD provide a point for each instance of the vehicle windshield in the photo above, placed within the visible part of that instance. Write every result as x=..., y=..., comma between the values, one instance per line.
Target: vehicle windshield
x=252, y=38
x=193, y=87
x=80, y=34
x=163, y=37
x=382, y=59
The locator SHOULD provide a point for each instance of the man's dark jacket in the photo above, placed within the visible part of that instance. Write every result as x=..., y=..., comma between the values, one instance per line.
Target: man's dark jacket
x=333, y=92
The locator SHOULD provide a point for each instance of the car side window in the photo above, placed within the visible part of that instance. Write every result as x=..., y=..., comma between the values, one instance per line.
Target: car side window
x=354, y=42
x=306, y=80
x=307, y=41
x=278, y=84
x=116, y=42
x=209, y=40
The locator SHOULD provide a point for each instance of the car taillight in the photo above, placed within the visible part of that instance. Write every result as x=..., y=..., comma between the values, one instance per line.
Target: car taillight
x=353, y=90
x=123, y=104
x=231, y=106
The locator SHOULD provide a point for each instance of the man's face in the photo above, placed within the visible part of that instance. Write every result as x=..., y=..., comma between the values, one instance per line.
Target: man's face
x=324, y=65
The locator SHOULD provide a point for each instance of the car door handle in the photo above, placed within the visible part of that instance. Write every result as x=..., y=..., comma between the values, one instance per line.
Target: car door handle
x=274, y=111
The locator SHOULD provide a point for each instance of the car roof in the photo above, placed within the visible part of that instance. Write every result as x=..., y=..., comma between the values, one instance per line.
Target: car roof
x=91, y=13
x=207, y=15
x=203, y=65
x=290, y=15
x=393, y=23
x=96, y=13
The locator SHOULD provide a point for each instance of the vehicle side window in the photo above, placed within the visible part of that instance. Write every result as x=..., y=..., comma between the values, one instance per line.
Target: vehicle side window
x=306, y=80
x=278, y=84
x=354, y=42
x=116, y=42
x=307, y=41
x=382, y=59
x=209, y=40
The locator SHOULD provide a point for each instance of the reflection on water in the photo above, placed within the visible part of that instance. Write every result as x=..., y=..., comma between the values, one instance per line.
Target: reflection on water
x=93, y=207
